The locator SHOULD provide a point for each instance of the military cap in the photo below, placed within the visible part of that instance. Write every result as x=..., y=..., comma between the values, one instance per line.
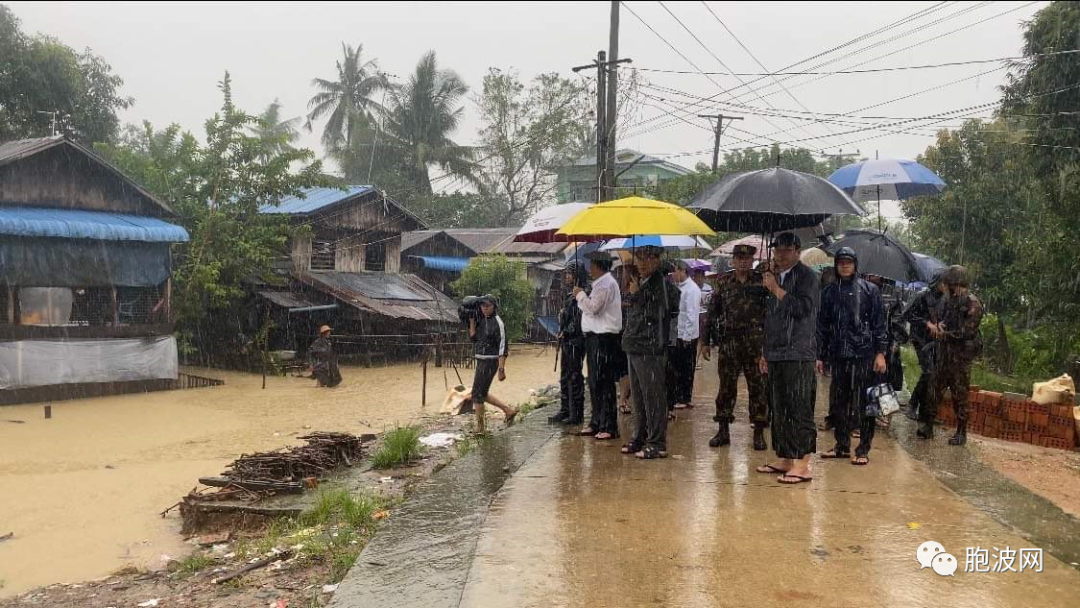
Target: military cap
x=741, y=250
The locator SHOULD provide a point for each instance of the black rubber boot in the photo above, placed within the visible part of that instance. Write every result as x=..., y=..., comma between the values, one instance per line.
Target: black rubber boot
x=722, y=437
x=926, y=430
x=759, y=437
x=960, y=438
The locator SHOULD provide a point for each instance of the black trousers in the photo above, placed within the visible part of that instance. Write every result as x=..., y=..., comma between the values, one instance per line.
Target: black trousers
x=847, y=403
x=924, y=389
x=648, y=400
x=572, y=379
x=792, y=386
x=681, y=366
x=602, y=351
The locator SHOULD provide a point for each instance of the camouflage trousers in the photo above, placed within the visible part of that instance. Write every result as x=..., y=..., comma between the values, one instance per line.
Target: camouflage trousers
x=739, y=354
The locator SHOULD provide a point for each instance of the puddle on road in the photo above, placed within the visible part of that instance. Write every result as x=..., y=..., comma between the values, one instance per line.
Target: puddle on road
x=82, y=492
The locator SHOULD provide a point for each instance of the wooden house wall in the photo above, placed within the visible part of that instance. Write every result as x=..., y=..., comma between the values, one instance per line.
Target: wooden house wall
x=350, y=254
x=62, y=179
x=367, y=214
x=301, y=254
x=393, y=253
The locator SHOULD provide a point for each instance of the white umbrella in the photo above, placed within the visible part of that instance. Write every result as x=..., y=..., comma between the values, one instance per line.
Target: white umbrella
x=542, y=226
x=667, y=241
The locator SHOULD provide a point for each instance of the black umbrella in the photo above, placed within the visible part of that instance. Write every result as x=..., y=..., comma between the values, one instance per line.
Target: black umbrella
x=771, y=200
x=882, y=255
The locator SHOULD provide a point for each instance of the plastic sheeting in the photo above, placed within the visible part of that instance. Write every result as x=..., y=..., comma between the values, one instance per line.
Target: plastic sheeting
x=40, y=262
x=29, y=363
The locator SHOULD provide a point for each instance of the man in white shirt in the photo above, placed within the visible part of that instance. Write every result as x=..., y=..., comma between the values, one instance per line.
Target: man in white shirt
x=601, y=320
x=682, y=355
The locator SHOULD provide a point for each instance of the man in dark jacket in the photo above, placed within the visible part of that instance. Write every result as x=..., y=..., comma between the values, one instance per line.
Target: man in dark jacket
x=653, y=307
x=956, y=328
x=917, y=314
x=853, y=339
x=572, y=351
x=788, y=358
x=324, y=364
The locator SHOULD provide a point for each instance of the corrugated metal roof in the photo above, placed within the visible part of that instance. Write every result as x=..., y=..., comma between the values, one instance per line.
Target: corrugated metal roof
x=289, y=299
x=626, y=156
x=483, y=240
x=79, y=224
x=12, y=151
x=524, y=249
x=315, y=199
x=398, y=296
x=444, y=263
x=414, y=238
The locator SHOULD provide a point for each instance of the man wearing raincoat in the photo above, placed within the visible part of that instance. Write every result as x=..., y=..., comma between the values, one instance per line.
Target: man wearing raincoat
x=917, y=314
x=572, y=351
x=324, y=365
x=853, y=338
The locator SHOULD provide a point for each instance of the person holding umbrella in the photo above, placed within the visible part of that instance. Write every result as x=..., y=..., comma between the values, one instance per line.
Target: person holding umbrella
x=653, y=305
x=852, y=337
x=789, y=352
x=736, y=324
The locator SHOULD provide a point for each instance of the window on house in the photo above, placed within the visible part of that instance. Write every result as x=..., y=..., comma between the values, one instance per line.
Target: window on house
x=375, y=257
x=92, y=306
x=323, y=254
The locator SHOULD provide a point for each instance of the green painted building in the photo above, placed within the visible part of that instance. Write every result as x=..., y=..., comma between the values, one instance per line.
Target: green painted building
x=577, y=182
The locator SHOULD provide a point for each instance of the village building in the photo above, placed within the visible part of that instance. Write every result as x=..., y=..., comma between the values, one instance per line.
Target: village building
x=84, y=277
x=634, y=172
x=344, y=270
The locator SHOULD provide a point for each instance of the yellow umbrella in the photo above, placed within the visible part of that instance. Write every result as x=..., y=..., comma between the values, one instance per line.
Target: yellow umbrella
x=630, y=216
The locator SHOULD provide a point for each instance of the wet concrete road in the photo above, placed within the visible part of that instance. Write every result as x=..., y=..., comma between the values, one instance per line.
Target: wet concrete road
x=579, y=524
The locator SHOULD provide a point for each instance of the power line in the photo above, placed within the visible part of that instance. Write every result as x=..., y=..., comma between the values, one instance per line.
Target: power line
x=868, y=70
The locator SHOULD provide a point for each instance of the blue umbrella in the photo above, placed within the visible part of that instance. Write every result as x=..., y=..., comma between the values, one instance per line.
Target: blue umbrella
x=886, y=179
x=667, y=241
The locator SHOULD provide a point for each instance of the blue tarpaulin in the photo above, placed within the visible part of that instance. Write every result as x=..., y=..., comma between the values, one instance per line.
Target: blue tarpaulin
x=79, y=224
x=446, y=264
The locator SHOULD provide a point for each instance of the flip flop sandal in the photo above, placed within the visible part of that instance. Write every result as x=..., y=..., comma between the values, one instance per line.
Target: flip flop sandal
x=860, y=461
x=510, y=419
x=834, y=454
x=631, y=448
x=585, y=433
x=796, y=478
x=651, y=453
x=605, y=436
x=770, y=469
x=625, y=409
x=681, y=406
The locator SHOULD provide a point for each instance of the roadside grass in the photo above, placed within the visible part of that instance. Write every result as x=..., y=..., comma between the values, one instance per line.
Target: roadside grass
x=981, y=376
x=399, y=446
x=194, y=563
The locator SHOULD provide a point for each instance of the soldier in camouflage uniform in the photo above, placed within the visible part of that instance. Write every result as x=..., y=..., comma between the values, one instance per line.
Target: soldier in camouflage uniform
x=955, y=325
x=736, y=323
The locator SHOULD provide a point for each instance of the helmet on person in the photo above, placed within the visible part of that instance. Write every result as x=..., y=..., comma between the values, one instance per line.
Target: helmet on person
x=955, y=276
x=846, y=253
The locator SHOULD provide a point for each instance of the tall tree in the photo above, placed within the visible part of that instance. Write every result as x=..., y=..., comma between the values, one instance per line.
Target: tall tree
x=277, y=134
x=423, y=115
x=348, y=99
x=217, y=188
x=525, y=134
x=40, y=76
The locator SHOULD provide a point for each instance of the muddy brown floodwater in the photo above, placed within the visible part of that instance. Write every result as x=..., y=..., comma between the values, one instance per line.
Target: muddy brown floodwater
x=82, y=492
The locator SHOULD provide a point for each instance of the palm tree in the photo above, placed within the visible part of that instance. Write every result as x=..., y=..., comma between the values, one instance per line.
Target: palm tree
x=423, y=115
x=276, y=135
x=348, y=99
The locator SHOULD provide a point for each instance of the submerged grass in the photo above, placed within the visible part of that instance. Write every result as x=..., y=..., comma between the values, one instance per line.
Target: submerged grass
x=399, y=446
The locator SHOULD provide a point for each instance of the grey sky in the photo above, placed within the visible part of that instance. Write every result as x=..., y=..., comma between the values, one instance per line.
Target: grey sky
x=172, y=55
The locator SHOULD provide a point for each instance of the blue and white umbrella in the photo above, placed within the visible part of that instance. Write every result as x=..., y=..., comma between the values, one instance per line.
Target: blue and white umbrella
x=667, y=241
x=892, y=180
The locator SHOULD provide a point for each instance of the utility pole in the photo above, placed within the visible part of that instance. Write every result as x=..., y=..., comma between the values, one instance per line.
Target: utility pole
x=609, y=192
x=53, y=115
x=605, y=126
x=838, y=159
x=717, y=130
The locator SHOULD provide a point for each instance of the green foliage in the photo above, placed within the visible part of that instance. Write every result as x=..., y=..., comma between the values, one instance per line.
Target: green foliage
x=217, y=189
x=506, y=280
x=41, y=74
x=399, y=446
x=338, y=506
x=525, y=133
x=460, y=210
x=276, y=134
x=347, y=100
x=195, y=563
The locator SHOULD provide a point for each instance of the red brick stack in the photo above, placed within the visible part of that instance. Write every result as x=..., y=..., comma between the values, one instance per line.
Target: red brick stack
x=990, y=414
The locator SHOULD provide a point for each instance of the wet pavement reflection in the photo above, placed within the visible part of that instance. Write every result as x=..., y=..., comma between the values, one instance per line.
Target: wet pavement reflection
x=580, y=524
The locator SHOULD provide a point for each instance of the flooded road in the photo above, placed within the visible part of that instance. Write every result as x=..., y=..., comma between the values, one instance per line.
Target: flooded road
x=82, y=492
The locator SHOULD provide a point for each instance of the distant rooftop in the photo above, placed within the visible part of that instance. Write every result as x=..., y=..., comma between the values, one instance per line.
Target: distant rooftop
x=315, y=199
x=626, y=156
